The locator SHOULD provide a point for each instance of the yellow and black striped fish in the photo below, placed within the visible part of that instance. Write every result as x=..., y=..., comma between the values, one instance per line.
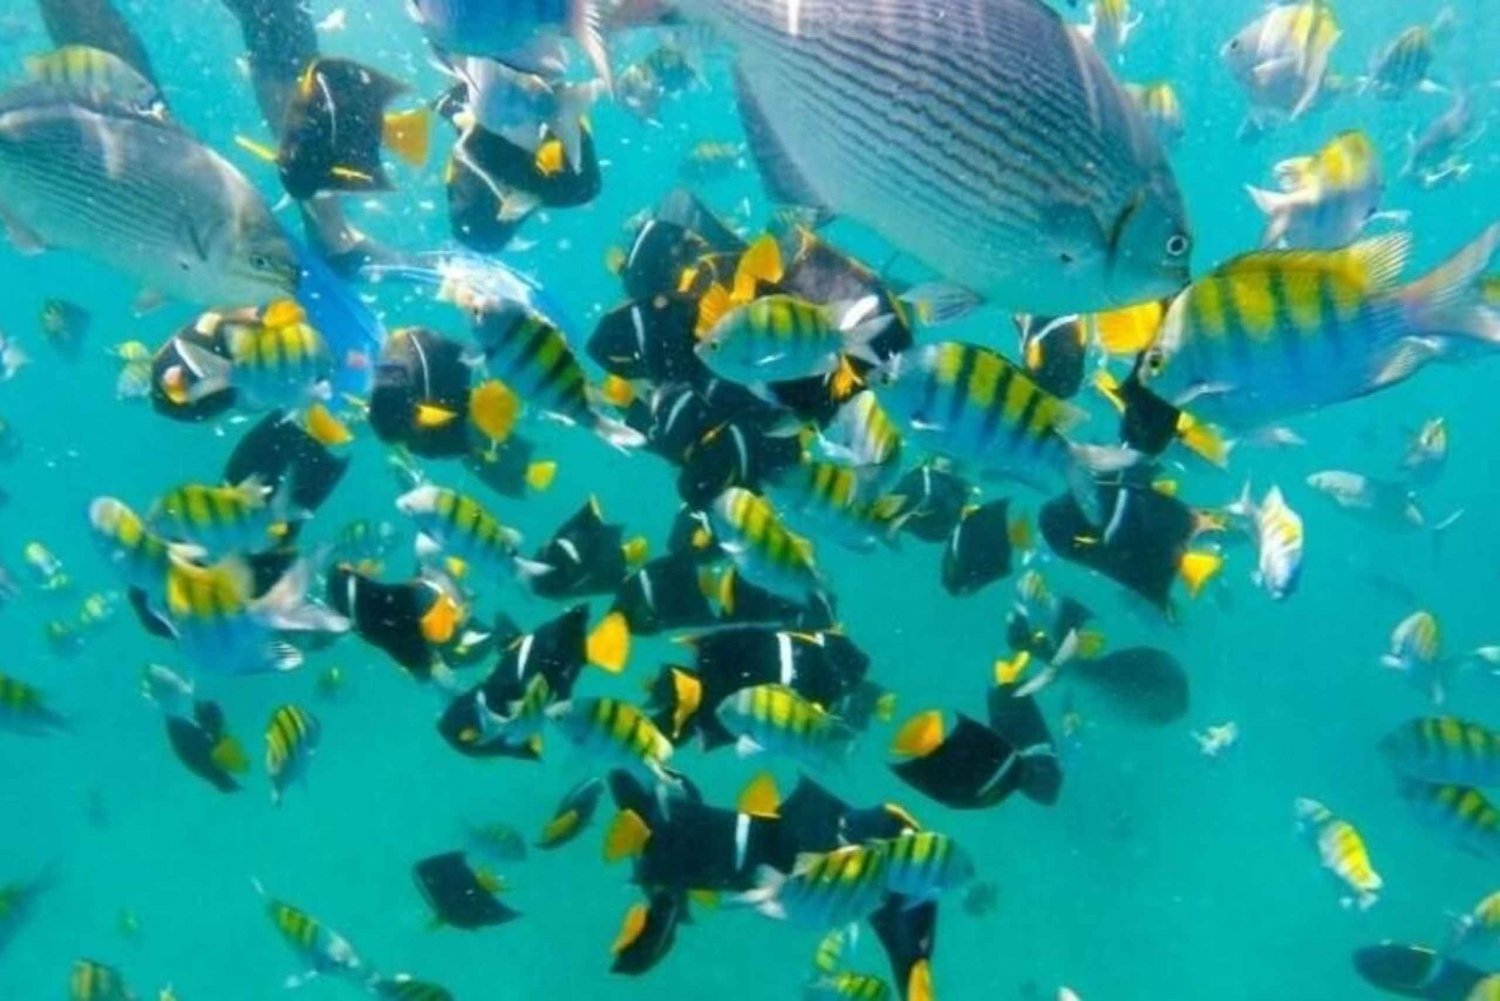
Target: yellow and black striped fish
x=1342, y=851
x=1463, y=812
x=777, y=718
x=925, y=864
x=292, y=737
x=239, y=518
x=767, y=553
x=979, y=409
x=457, y=525
x=533, y=358
x=1445, y=749
x=824, y=890
x=847, y=986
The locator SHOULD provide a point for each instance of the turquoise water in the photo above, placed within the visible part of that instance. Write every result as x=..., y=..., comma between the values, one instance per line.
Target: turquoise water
x=1159, y=874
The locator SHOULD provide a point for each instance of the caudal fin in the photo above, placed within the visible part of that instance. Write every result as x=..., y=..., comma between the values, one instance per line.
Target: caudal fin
x=1450, y=303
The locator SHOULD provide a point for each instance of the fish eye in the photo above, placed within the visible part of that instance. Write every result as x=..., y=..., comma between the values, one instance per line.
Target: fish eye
x=1155, y=361
x=1178, y=244
x=260, y=262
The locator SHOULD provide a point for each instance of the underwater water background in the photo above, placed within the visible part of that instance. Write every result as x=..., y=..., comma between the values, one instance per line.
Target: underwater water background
x=1159, y=874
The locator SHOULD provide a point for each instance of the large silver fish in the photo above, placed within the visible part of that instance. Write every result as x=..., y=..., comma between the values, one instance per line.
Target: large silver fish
x=984, y=137
x=139, y=195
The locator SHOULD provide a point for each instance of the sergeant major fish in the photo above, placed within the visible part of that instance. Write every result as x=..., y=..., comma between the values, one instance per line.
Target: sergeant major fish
x=1444, y=749
x=1278, y=540
x=1342, y=852
x=1326, y=199
x=276, y=358
x=324, y=951
x=1281, y=61
x=777, y=718
x=975, y=406
x=1018, y=96
x=1276, y=333
x=292, y=737
x=768, y=554
x=1405, y=64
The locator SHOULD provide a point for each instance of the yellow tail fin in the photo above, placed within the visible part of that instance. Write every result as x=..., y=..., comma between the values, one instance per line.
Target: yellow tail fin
x=608, y=646
x=626, y=837
x=760, y=798
x=920, y=735
x=408, y=135
x=539, y=475
x=325, y=428
x=1197, y=569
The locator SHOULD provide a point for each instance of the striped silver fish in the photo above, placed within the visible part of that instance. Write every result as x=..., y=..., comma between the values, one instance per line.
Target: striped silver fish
x=984, y=137
x=140, y=196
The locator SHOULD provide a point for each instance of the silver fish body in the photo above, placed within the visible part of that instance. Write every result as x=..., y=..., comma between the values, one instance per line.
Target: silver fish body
x=140, y=196
x=984, y=137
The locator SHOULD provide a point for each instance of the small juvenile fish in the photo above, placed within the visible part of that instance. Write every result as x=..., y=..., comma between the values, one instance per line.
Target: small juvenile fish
x=45, y=567
x=404, y=987
x=573, y=814
x=1388, y=504
x=710, y=161
x=1405, y=64
x=499, y=840
x=1416, y=649
x=1215, y=740
x=1426, y=452
x=1435, y=153
x=1476, y=932
x=324, y=951
x=1342, y=852
x=1278, y=540
x=292, y=738
x=23, y=709
x=65, y=324
x=846, y=985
